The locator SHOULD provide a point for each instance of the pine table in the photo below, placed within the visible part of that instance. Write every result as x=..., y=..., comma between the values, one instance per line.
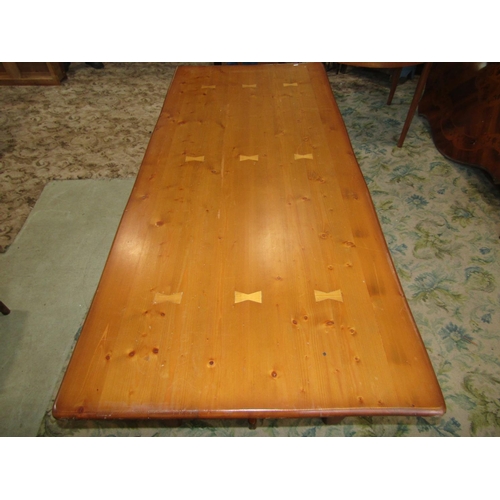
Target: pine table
x=249, y=277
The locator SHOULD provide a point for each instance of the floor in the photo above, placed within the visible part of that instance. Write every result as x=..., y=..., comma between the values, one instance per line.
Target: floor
x=441, y=222
x=47, y=279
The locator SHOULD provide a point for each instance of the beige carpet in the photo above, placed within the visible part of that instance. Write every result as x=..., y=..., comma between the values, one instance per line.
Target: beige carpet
x=441, y=221
x=96, y=125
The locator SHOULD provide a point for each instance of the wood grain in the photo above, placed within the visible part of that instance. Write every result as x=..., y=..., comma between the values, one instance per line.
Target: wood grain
x=279, y=227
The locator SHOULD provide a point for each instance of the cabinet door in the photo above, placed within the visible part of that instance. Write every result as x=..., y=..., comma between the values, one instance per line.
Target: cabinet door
x=31, y=73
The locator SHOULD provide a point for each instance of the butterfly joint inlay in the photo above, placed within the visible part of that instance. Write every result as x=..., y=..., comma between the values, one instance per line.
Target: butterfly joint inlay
x=253, y=297
x=160, y=298
x=335, y=295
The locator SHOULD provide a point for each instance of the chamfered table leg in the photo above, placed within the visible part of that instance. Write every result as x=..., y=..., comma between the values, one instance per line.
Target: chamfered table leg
x=175, y=422
x=332, y=420
x=4, y=309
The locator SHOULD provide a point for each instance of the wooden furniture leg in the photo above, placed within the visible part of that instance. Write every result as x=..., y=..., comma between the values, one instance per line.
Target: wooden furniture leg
x=394, y=83
x=4, y=309
x=414, y=103
x=252, y=423
x=173, y=423
x=332, y=420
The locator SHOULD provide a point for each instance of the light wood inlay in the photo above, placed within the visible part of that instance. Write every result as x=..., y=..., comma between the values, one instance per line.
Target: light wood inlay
x=252, y=158
x=160, y=298
x=260, y=255
x=250, y=86
x=253, y=297
x=195, y=158
x=290, y=84
x=308, y=156
x=335, y=295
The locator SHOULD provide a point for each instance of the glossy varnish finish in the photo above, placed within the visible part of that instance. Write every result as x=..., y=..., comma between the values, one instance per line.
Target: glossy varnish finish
x=462, y=105
x=249, y=277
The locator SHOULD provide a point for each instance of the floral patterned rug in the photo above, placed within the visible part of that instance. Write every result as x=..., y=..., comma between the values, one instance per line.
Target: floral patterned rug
x=441, y=221
x=96, y=125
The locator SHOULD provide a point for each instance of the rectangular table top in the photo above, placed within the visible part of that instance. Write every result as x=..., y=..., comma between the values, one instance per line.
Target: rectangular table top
x=249, y=276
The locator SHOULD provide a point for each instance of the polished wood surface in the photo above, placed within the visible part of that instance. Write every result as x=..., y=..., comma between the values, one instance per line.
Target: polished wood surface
x=249, y=277
x=462, y=105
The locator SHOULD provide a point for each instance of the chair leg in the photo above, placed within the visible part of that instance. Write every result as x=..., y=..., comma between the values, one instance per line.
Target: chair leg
x=394, y=83
x=4, y=309
x=414, y=103
x=342, y=68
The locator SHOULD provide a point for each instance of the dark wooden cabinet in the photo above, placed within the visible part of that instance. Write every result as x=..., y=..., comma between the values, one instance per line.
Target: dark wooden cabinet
x=462, y=104
x=31, y=73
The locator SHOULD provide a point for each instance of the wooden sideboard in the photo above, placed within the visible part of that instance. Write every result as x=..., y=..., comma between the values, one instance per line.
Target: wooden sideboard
x=31, y=73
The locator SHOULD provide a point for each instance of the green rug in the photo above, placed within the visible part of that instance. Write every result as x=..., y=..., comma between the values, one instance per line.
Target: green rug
x=96, y=125
x=441, y=221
